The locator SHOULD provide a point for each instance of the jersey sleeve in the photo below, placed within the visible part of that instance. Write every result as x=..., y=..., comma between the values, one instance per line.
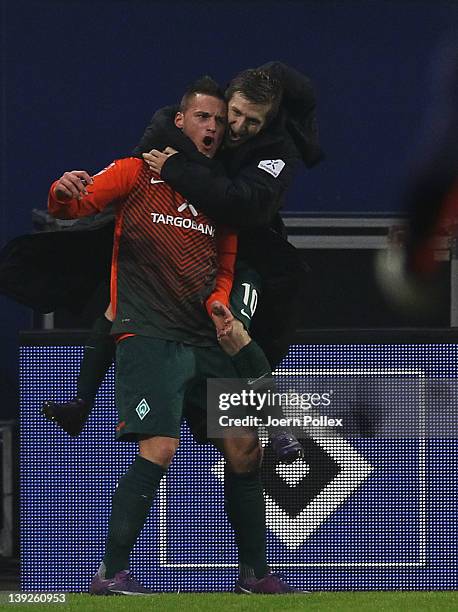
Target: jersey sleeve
x=111, y=184
x=227, y=253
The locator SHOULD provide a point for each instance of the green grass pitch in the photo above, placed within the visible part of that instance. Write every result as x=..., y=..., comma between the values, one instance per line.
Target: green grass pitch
x=222, y=602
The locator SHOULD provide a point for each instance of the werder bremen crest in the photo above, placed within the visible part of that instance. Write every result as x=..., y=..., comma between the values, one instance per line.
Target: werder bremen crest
x=142, y=409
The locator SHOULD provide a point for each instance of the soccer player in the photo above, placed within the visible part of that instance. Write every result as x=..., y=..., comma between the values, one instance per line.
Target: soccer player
x=161, y=330
x=165, y=260
x=431, y=197
x=408, y=271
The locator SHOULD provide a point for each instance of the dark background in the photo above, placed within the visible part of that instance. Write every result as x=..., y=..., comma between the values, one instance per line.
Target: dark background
x=81, y=79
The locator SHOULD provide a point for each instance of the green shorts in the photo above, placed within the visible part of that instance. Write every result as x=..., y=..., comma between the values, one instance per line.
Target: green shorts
x=153, y=378
x=157, y=381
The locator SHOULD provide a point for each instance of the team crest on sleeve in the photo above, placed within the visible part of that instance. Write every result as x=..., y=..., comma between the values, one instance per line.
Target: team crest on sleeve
x=272, y=166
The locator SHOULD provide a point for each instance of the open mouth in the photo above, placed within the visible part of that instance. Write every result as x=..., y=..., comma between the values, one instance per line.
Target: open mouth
x=208, y=141
x=233, y=137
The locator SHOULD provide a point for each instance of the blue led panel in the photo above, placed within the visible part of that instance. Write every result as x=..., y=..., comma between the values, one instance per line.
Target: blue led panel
x=356, y=514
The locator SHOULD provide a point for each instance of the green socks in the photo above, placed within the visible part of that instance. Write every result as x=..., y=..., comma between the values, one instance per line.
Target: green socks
x=245, y=508
x=98, y=356
x=131, y=504
x=251, y=363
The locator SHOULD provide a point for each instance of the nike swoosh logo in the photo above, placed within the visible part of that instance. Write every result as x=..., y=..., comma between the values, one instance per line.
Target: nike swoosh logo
x=246, y=591
x=251, y=381
x=154, y=181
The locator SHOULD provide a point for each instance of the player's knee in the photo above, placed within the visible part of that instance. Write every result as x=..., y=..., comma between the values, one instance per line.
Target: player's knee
x=164, y=454
x=159, y=450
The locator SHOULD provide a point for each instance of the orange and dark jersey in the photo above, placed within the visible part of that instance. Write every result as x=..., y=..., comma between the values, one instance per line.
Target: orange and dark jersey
x=168, y=258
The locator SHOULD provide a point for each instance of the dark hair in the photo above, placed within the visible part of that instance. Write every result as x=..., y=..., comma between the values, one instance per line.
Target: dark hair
x=203, y=85
x=259, y=87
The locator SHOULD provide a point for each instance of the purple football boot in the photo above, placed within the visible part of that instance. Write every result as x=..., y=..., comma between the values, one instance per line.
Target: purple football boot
x=123, y=583
x=286, y=446
x=270, y=584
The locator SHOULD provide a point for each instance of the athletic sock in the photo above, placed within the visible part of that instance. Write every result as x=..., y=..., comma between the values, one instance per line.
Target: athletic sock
x=246, y=511
x=131, y=504
x=98, y=356
x=252, y=363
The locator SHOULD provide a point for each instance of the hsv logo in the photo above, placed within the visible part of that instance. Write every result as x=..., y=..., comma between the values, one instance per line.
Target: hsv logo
x=186, y=205
x=302, y=496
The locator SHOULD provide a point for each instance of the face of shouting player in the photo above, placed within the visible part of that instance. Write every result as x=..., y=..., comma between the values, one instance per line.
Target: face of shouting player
x=204, y=122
